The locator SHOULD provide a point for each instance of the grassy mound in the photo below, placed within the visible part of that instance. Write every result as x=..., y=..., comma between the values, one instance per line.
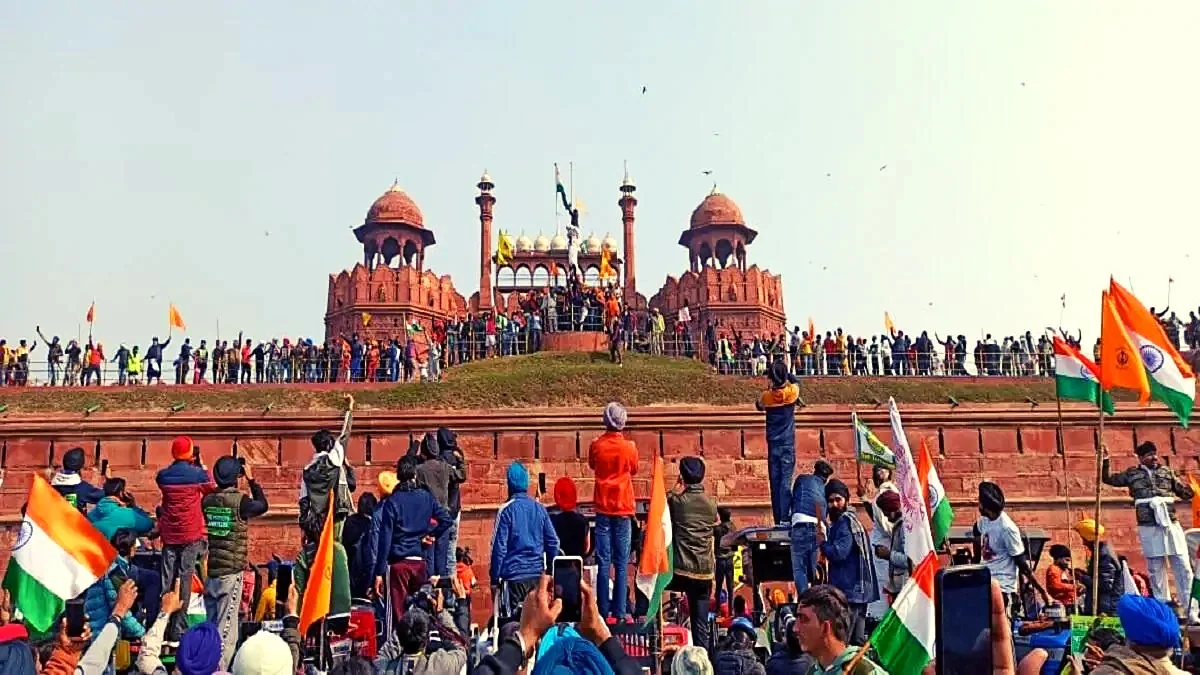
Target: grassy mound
x=539, y=380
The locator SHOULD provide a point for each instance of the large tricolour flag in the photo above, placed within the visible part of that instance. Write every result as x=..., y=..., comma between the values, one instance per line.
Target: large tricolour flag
x=1171, y=378
x=658, y=558
x=904, y=640
x=1076, y=377
x=57, y=555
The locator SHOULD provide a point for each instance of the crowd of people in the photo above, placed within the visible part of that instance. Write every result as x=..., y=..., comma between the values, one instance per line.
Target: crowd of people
x=422, y=353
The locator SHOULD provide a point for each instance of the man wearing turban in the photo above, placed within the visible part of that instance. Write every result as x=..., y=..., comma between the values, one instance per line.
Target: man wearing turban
x=896, y=567
x=1112, y=582
x=998, y=544
x=1151, y=634
x=846, y=548
x=1154, y=489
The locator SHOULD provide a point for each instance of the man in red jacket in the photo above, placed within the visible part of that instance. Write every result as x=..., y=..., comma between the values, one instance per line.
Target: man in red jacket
x=614, y=459
x=181, y=524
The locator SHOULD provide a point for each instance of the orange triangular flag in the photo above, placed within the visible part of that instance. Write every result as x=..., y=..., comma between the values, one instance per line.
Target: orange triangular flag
x=1120, y=362
x=320, y=578
x=1195, y=485
x=91, y=317
x=174, y=319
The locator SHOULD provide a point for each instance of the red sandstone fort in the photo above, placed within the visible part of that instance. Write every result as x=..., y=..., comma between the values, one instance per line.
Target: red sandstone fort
x=396, y=288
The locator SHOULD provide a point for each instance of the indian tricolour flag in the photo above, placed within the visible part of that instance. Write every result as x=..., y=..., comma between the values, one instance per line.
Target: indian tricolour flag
x=1171, y=378
x=658, y=558
x=940, y=513
x=57, y=555
x=1076, y=376
x=904, y=640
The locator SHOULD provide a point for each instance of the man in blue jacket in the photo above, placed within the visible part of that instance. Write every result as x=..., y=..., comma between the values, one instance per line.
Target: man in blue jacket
x=404, y=529
x=848, y=551
x=807, y=512
x=68, y=483
x=523, y=540
x=779, y=403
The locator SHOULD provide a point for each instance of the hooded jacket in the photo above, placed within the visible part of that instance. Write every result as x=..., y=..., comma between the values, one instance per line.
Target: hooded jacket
x=101, y=597
x=570, y=525
x=111, y=515
x=453, y=456
x=78, y=492
x=693, y=517
x=523, y=540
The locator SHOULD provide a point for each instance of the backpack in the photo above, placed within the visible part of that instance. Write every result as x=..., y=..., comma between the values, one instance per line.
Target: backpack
x=323, y=479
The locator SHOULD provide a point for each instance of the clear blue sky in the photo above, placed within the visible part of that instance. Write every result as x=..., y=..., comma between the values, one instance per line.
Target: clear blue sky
x=147, y=148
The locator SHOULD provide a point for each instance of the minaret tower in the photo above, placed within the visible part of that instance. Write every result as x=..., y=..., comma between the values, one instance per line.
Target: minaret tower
x=485, y=200
x=627, y=203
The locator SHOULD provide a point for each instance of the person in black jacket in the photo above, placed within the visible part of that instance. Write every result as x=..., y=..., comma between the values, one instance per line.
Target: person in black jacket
x=1112, y=582
x=453, y=456
x=538, y=615
x=68, y=483
x=153, y=360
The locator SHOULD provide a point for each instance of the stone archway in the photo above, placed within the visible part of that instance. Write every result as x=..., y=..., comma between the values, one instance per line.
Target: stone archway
x=724, y=252
x=389, y=250
x=410, y=252
x=705, y=253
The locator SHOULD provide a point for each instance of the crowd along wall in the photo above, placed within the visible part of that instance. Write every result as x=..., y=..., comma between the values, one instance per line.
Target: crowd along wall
x=1016, y=446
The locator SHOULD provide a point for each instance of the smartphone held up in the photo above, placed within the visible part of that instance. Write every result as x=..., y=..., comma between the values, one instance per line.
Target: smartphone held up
x=963, y=602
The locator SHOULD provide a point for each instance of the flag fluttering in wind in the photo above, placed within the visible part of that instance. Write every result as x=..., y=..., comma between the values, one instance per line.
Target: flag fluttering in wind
x=320, y=578
x=58, y=554
x=1170, y=378
x=887, y=323
x=1076, y=377
x=904, y=640
x=658, y=557
x=91, y=315
x=812, y=331
x=1195, y=485
x=174, y=319
x=606, y=269
x=366, y=318
x=562, y=191
x=1120, y=362
x=868, y=449
x=940, y=513
x=504, y=250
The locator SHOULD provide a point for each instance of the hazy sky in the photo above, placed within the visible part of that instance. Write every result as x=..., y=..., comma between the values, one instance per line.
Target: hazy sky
x=1032, y=148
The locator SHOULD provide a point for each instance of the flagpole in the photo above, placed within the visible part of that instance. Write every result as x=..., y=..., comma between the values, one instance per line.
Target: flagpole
x=857, y=458
x=1099, y=475
x=1062, y=451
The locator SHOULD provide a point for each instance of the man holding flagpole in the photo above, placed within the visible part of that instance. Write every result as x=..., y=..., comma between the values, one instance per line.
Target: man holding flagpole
x=1154, y=489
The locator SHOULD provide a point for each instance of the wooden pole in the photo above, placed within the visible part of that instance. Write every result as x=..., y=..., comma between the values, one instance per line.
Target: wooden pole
x=1062, y=451
x=1096, y=542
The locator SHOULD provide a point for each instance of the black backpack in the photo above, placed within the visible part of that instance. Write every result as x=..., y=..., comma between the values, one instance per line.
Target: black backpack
x=323, y=479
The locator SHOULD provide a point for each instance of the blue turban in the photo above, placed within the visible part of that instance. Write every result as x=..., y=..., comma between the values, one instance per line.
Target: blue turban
x=1147, y=621
x=615, y=416
x=571, y=655
x=199, y=650
x=518, y=478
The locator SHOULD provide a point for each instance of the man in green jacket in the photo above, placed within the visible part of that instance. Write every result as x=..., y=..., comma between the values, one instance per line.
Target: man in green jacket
x=693, y=517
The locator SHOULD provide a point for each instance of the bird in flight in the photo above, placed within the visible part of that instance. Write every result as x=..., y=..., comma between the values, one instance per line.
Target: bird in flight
x=883, y=167
x=643, y=88
x=707, y=173
x=828, y=175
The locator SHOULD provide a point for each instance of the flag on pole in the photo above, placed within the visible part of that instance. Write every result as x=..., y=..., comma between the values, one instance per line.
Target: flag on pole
x=57, y=555
x=904, y=640
x=366, y=318
x=504, y=250
x=868, y=449
x=415, y=327
x=320, y=578
x=812, y=331
x=1120, y=362
x=1170, y=378
x=562, y=191
x=940, y=513
x=91, y=315
x=1075, y=377
x=887, y=323
x=658, y=556
x=174, y=319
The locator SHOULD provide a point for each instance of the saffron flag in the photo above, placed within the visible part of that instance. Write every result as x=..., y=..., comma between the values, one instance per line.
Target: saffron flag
x=1120, y=362
x=658, y=554
x=366, y=318
x=1170, y=378
x=940, y=513
x=174, y=319
x=904, y=640
x=606, y=270
x=1075, y=377
x=1195, y=485
x=91, y=316
x=812, y=331
x=868, y=449
x=887, y=323
x=57, y=555
x=320, y=579
x=504, y=250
